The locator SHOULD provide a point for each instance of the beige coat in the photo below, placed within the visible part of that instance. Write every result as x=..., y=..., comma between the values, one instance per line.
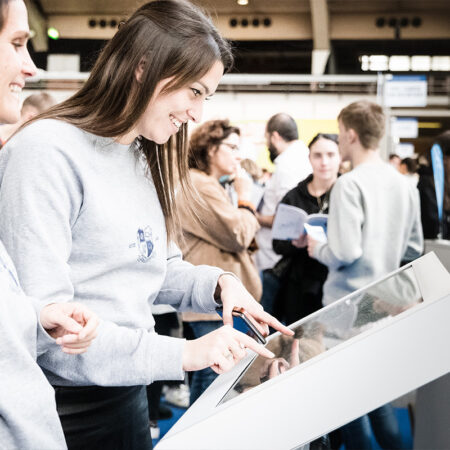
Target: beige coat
x=222, y=238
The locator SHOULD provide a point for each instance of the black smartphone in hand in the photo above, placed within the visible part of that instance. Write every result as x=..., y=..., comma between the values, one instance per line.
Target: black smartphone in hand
x=244, y=324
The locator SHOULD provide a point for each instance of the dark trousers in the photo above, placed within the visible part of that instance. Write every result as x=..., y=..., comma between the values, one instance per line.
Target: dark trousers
x=96, y=417
x=271, y=286
x=384, y=424
x=164, y=324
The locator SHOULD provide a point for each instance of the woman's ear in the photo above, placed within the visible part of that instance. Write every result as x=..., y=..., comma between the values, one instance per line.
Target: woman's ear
x=211, y=151
x=140, y=70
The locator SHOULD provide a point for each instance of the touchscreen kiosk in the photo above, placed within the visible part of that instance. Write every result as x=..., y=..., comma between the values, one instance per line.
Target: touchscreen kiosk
x=343, y=361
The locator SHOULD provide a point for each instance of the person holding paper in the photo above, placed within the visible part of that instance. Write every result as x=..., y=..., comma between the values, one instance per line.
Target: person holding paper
x=374, y=220
x=300, y=292
x=292, y=165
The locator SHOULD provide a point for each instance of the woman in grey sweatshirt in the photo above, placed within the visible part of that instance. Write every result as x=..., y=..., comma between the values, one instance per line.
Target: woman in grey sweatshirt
x=88, y=189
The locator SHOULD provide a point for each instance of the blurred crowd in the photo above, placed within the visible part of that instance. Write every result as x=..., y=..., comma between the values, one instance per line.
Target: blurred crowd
x=106, y=199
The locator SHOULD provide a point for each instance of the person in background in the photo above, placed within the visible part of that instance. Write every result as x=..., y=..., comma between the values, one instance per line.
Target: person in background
x=252, y=169
x=433, y=226
x=292, y=165
x=33, y=105
x=222, y=234
x=302, y=277
x=408, y=167
x=97, y=176
x=257, y=175
x=373, y=224
x=395, y=160
x=29, y=328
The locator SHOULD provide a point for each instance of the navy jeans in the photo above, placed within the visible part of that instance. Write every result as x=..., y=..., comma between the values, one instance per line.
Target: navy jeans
x=271, y=286
x=356, y=434
x=201, y=379
x=113, y=418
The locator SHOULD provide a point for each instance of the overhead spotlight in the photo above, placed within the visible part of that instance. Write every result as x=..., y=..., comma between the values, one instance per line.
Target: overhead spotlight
x=416, y=22
x=380, y=22
x=242, y=2
x=392, y=22
x=53, y=33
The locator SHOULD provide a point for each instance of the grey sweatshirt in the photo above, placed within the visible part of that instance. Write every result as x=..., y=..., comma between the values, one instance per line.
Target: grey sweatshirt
x=28, y=418
x=82, y=221
x=374, y=224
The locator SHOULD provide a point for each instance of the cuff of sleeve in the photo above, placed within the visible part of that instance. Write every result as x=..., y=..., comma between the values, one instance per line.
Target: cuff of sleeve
x=206, y=288
x=217, y=292
x=167, y=360
x=43, y=340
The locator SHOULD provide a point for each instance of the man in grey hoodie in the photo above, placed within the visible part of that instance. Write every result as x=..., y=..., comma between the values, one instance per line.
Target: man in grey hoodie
x=374, y=224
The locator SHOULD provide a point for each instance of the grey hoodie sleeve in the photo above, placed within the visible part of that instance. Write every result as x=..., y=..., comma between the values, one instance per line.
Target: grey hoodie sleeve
x=187, y=287
x=345, y=218
x=44, y=341
x=119, y=356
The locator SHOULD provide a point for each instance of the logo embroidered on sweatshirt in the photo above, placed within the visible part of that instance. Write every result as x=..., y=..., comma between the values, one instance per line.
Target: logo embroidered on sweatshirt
x=144, y=244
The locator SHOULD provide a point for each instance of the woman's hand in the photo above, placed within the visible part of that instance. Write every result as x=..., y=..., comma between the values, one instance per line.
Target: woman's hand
x=221, y=350
x=234, y=295
x=72, y=325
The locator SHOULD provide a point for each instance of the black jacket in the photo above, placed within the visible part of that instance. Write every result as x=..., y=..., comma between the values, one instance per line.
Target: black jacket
x=302, y=277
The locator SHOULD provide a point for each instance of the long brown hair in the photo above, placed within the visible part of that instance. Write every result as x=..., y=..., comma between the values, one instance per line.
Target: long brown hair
x=174, y=39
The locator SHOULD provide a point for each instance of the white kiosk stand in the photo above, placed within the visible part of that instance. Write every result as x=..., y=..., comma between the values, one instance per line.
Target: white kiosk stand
x=345, y=360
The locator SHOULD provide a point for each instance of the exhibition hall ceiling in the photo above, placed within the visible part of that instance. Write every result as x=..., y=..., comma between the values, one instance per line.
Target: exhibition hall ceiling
x=254, y=6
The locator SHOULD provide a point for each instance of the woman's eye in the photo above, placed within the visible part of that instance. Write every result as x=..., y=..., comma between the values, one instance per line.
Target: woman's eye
x=17, y=44
x=196, y=92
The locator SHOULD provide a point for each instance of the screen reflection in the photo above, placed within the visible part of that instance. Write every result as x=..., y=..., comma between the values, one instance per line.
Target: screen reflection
x=330, y=327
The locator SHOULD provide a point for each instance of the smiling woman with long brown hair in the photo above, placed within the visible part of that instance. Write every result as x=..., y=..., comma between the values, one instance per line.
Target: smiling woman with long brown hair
x=97, y=176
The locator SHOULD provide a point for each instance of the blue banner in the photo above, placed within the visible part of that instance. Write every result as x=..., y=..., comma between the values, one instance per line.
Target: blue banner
x=437, y=161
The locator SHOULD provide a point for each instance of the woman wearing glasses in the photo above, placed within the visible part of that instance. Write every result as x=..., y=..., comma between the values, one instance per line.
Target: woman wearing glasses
x=224, y=235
